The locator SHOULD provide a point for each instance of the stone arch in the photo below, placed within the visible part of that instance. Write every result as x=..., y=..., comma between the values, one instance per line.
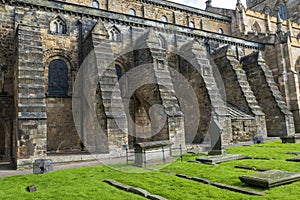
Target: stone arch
x=140, y=100
x=59, y=54
x=162, y=41
x=122, y=78
x=5, y=141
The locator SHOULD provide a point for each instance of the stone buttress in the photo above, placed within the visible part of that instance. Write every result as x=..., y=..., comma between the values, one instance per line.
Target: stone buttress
x=240, y=96
x=30, y=96
x=279, y=119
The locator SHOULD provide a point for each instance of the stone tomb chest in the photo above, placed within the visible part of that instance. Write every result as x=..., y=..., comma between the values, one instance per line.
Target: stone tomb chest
x=152, y=153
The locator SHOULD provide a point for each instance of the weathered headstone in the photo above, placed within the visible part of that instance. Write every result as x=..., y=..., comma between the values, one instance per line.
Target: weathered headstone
x=215, y=132
x=258, y=139
x=31, y=188
x=41, y=166
x=270, y=178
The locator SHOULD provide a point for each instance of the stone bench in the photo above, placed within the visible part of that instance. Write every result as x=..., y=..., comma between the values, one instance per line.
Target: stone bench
x=152, y=153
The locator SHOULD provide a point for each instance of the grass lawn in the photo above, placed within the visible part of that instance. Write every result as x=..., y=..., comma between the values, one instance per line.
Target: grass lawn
x=87, y=183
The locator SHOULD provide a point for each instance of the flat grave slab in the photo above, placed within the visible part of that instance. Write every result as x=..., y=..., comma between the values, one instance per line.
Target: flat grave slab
x=297, y=159
x=270, y=178
x=220, y=158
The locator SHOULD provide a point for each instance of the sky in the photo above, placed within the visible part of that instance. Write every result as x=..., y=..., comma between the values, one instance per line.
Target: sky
x=230, y=4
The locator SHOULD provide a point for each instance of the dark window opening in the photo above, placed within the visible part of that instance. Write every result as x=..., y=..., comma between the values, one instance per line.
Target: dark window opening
x=58, y=78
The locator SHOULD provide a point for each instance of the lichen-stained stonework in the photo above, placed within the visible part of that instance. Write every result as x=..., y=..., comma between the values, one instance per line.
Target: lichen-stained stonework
x=171, y=49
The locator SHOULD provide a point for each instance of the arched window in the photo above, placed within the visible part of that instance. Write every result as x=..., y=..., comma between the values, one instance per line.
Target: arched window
x=256, y=28
x=58, y=26
x=115, y=34
x=164, y=19
x=131, y=12
x=282, y=11
x=95, y=4
x=122, y=80
x=191, y=24
x=58, y=78
x=220, y=31
x=118, y=71
x=162, y=42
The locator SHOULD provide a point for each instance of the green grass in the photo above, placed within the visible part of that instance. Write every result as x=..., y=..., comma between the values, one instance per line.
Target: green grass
x=87, y=183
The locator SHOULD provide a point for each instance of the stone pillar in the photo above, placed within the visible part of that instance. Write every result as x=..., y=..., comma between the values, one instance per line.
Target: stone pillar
x=30, y=93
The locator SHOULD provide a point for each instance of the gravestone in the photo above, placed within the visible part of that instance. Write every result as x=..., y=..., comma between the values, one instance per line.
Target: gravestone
x=41, y=166
x=215, y=132
x=31, y=188
x=270, y=178
x=258, y=139
x=217, y=154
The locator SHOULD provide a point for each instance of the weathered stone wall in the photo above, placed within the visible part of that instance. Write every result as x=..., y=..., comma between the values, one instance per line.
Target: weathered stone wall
x=175, y=13
x=7, y=110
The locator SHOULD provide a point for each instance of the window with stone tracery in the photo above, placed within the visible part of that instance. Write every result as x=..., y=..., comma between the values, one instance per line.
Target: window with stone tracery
x=58, y=26
x=115, y=35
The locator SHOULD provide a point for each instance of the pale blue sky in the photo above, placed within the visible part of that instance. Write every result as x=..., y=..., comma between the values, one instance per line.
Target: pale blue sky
x=216, y=3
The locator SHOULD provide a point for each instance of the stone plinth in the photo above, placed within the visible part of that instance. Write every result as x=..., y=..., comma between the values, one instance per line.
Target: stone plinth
x=270, y=178
x=220, y=158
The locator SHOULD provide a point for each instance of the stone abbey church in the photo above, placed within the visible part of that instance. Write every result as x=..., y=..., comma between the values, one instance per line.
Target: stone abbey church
x=255, y=49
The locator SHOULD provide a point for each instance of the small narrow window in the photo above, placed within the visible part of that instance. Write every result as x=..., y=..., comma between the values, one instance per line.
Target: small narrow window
x=221, y=31
x=131, y=12
x=95, y=4
x=191, y=24
x=164, y=19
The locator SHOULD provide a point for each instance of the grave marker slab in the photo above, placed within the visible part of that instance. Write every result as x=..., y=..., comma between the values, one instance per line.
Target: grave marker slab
x=297, y=159
x=220, y=158
x=270, y=178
